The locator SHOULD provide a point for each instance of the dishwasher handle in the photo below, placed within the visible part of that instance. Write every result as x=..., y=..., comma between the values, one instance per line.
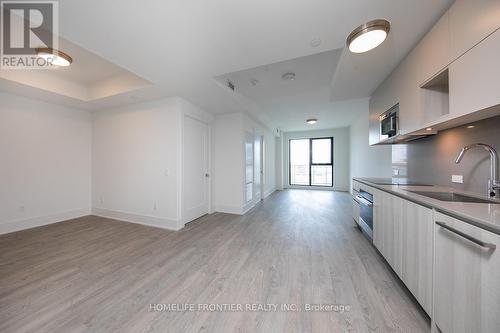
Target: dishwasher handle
x=468, y=237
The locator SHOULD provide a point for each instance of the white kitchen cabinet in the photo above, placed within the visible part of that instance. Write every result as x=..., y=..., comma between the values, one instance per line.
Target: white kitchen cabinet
x=417, y=252
x=355, y=209
x=403, y=233
x=474, y=78
x=433, y=51
x=378, y=219
x=470, y=22
x=387, y=228
x=385, y=96
x=393, y=241
x=466, y=278
x=452, y=72
x=400, y=87
x=356, y=185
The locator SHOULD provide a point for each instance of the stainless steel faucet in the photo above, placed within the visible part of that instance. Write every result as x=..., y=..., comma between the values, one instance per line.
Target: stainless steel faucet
x=493, y=183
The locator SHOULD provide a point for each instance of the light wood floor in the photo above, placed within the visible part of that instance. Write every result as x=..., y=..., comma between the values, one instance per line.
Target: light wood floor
x=297, y=247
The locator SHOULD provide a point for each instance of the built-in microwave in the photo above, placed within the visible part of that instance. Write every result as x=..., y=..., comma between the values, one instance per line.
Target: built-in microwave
x=389, y=123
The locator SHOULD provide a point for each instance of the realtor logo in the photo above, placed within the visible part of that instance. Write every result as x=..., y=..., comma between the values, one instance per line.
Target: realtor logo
x=27, y=26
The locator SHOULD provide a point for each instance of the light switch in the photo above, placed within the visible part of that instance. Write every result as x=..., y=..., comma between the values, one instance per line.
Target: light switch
x=459, y=179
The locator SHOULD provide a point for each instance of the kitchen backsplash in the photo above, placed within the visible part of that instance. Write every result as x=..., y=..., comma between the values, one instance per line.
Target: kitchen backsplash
x=432, y=160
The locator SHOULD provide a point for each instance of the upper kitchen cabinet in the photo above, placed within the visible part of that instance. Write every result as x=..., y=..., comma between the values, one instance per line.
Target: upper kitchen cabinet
x=403, y=86
x=433, y=52
x=386, y=96
x=470, y=22
x=451, y=76
x=474, y=78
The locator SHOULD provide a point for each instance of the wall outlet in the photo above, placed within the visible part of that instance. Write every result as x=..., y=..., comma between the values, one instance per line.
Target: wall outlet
x=459, y=179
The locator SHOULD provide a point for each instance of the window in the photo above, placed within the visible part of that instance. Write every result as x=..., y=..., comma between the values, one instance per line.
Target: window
x=311, y=162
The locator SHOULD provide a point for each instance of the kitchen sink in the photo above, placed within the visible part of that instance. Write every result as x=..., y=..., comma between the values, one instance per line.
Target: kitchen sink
x=450, y=196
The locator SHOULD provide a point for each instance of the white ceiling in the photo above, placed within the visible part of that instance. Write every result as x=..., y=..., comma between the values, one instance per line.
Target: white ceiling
x=86, y=68
x=180, y=46
x=290, y=103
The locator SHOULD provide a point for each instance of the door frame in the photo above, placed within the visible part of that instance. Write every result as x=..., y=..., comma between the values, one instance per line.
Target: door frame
x=258, y=135
x=181, y=218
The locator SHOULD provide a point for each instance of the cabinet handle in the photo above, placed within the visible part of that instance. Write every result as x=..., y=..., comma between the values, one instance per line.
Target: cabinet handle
x=468, y=237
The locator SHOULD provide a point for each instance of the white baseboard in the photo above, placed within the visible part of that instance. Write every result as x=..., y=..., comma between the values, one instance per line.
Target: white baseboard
x=42, y=220
x=229, y=209
x=240, y=210
x=269, y=192
x=248, y=206
x=152, y=221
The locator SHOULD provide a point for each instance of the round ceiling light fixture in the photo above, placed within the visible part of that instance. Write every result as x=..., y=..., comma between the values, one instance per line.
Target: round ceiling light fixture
x=54, y=57
x=312, y=121
x=288, y=76
x=368, y=36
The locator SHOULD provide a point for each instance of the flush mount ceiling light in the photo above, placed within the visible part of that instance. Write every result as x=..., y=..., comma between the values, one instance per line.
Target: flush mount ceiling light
x=288, y=76
x=55, y=57
x=368, y=36
x=428, y=129
x=312, y=121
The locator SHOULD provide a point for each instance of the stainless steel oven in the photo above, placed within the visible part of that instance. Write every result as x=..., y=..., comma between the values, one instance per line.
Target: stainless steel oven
x=365, y=221
x=389, y=123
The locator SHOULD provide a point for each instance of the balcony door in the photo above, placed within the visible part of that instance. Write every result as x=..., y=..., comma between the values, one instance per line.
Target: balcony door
x=311, y=162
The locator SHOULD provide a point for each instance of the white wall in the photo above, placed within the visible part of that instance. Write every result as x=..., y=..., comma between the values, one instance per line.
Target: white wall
x=341, y=159
x=137, y=162
x=366, y=160
x=45, y=163
x=134, y=163
x=229, y=161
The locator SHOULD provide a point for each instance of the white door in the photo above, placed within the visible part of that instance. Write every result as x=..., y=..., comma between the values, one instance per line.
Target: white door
x=195, y=169
x=257, y=168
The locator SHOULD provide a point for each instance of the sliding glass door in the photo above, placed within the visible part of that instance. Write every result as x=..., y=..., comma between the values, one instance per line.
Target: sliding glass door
x=311, y=162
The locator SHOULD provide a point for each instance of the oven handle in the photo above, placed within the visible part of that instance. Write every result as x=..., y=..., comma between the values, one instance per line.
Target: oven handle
x=362, y=201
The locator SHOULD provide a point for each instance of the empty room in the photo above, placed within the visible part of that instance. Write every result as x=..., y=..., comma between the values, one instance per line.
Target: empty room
x=249, y=166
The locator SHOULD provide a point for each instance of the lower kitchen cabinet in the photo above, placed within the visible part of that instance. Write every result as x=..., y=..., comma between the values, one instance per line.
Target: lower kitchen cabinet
x=417, y=252
x=466, y=277
x=355, y=209
x=388, y=229
x=402, y=232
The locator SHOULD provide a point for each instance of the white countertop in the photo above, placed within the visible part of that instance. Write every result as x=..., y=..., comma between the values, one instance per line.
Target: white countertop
x=483, y=215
